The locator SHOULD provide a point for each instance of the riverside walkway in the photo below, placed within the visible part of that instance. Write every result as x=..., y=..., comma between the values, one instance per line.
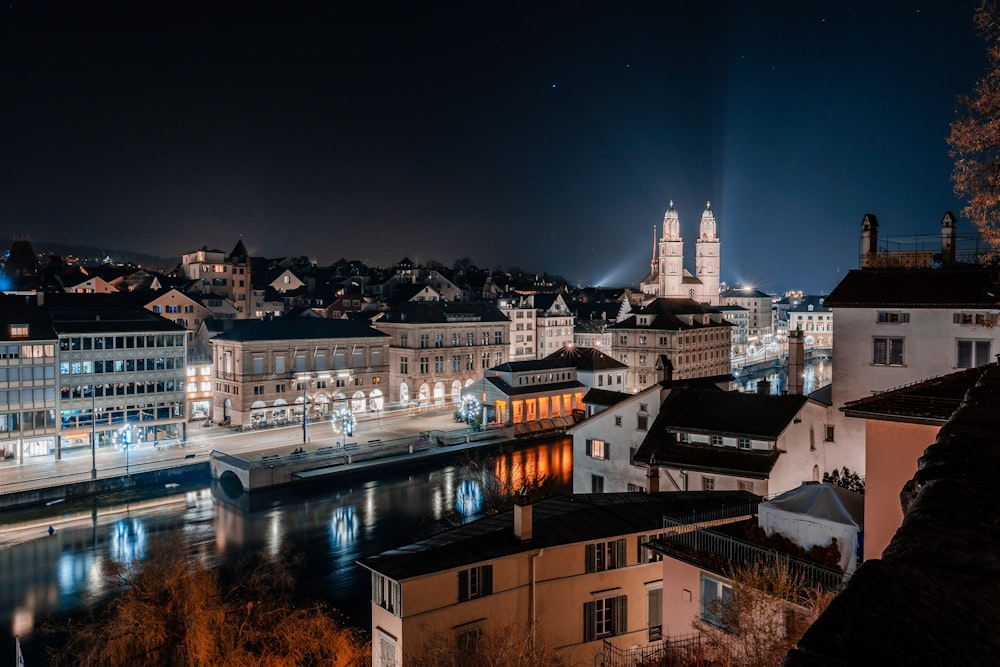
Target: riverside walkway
x=44, y=480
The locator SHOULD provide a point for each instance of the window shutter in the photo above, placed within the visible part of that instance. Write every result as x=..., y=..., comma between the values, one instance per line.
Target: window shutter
x=591, y=557
x=589, y=621
x=621, y=614
x=397, y=602
x=487, y=580
x=621, y=558
x=590, y=447
x=463, y=585
x=956, y=318
x=375, y=588
x=607, y=451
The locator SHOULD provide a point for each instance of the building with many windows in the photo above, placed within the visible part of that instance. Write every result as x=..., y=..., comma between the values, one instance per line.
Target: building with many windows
x=28, y=389
x=439, y=347
x=671, y=338
x=814, y=320
x=268, y=371
x=571, y=571
x=121, y=373
x=535, y=395
x=215, y=272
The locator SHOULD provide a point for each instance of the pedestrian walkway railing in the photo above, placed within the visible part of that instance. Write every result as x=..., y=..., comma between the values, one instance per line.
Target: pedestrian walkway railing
x=104, y=472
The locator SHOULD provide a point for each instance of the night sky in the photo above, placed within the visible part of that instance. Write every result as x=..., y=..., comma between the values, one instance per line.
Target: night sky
x=549, y=138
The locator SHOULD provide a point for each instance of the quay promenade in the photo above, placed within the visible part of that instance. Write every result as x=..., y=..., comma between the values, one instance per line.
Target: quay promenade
x=44, y=480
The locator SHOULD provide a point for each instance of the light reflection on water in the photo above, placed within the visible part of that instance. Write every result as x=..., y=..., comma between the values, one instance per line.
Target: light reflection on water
x=331, y=528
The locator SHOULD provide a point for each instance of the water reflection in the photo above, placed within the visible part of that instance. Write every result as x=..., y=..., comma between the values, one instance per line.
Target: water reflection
x=330, y=528
x=816, y=375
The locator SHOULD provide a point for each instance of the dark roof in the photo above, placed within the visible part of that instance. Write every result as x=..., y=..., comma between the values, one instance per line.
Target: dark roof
x=427, y=312
x=667, y=315
x=605, y=397
x=745, y=293
x=299, y=328
x=933, y=598
x=916, y=288
x=664, y=449
x=932, y=401
x=545, y=364
x=818, y=304
x=555, y=521
x=586, y=358
x=96, y=313
x=540, y=388
x=19, y=310
x=733, y=413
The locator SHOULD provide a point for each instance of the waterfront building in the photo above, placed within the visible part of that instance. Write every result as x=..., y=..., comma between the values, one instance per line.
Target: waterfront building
x=594, y=369
x=121, y=373
x=534, y=395
x=270, y=371
x=28, y=389
x=814, y=320
x=759, y=305
x=679, y=338
x=439, y=347
x=702, y=438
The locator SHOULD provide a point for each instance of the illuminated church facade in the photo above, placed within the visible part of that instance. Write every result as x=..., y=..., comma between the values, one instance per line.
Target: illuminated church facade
x=668, y=277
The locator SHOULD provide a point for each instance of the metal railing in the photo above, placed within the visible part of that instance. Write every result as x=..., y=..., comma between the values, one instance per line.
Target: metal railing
x=677, y=649
x=724, y=551
x=117, y=470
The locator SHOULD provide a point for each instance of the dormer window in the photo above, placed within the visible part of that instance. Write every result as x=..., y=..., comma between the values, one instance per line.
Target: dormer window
x=18, y=330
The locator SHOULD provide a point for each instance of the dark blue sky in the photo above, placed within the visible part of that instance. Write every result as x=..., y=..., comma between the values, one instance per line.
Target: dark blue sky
x=546, y=138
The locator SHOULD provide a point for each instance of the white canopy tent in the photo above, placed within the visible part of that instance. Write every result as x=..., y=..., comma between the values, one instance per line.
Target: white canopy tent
x=814, y=514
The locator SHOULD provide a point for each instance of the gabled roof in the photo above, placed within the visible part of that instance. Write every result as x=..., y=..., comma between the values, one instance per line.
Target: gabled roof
x=555, y=521
x=667, y=315
x=664, y=450
x=916, y=288
x=527, y=365
x=539, y=388
x=732, y=413
x=931, y=401
x=605, y=397
x=586, y=358
x=299, y=328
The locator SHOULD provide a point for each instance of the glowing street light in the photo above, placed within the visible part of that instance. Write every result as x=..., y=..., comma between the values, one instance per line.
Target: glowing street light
x=343, y=421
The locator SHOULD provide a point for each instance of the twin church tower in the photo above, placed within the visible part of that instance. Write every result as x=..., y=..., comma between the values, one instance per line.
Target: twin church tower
x=667, y=277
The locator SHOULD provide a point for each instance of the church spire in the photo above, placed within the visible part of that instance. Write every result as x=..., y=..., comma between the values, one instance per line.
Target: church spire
x=707, y=231
x=671, y=224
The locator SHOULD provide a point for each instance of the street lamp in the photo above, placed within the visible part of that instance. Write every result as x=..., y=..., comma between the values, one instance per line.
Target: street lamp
x=343, y=422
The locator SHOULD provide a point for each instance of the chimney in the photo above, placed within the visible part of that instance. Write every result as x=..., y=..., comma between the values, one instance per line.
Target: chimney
x=948, y=239
x=869, y=239
x=764, y=387
x=522, y=518
x=796, y=361
x=653, y=477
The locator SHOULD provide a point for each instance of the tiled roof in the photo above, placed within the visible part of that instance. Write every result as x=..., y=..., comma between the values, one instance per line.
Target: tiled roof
x=932, y=401
x=933, y=598
x=555, y=521
x=916, y=288
x=299, y=328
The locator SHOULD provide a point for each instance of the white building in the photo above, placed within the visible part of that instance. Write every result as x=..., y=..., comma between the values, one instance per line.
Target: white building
x=668, y=278
x=702, y=438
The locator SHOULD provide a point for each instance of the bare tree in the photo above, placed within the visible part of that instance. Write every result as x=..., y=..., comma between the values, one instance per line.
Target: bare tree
x=176, y=610
x=489, y=645
x=766, y=614
x=974, y=141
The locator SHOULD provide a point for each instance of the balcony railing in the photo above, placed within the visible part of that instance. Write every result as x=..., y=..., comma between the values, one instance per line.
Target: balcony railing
x=675, y=650
x=722, y=552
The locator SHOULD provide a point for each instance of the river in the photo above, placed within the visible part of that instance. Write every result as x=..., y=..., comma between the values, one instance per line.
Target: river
x=44, y=575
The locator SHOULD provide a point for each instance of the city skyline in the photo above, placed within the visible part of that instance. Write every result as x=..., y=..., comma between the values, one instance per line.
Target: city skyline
x=549, y=138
